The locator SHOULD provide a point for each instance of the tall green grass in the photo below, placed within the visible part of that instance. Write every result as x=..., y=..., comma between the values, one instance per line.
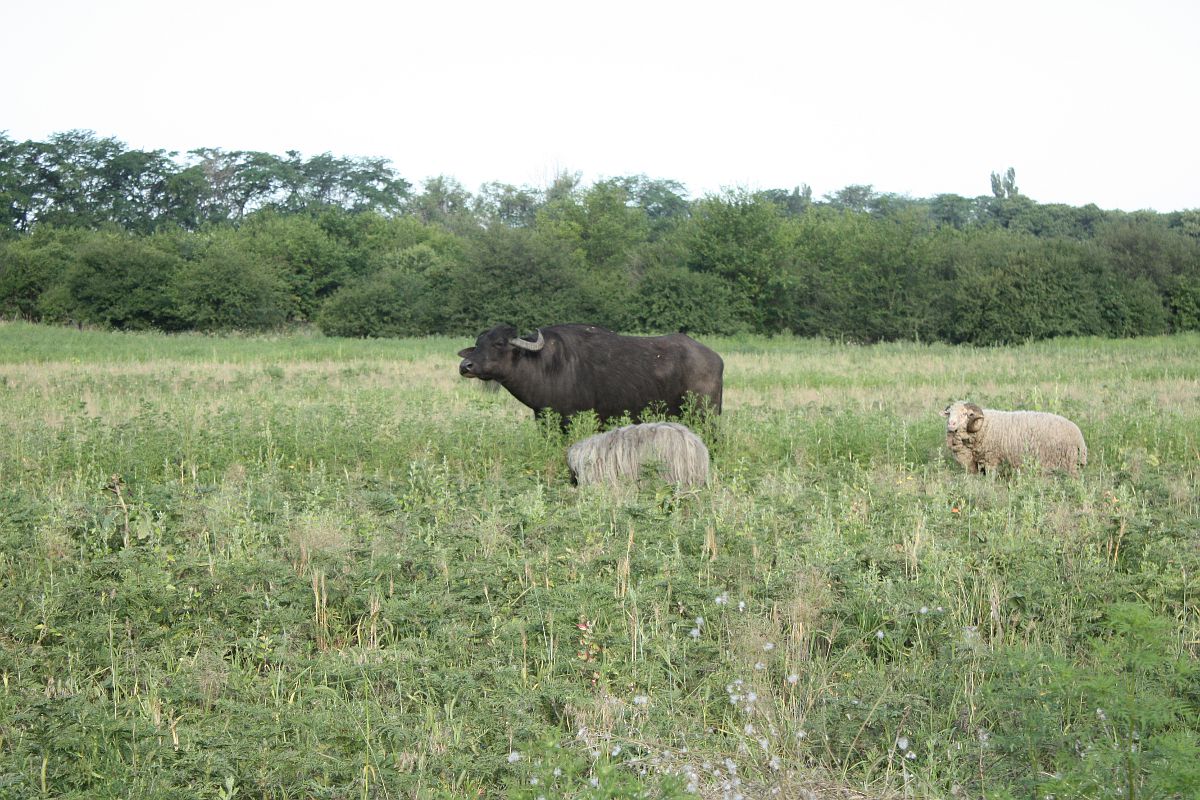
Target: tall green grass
x=303, y=567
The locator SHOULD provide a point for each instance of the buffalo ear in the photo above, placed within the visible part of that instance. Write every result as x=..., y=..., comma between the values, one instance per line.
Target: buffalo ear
x=464, y=352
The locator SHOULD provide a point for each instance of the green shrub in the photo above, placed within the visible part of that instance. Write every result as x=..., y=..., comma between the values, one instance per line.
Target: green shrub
x=392, y=303
x=228, y=288
x=33, y=266
x=676, y=299
x=121, y=281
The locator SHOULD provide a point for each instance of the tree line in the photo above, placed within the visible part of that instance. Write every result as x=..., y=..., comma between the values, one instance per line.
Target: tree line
x=97, y=233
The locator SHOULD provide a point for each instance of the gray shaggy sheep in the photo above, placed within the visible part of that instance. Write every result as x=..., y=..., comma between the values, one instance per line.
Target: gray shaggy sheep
x=679, y=455
x=981, y=439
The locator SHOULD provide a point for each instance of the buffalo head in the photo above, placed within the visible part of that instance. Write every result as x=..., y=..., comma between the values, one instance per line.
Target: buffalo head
x=495, y=352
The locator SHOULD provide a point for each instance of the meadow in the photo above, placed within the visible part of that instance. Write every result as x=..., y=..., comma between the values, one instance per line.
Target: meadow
x=304, y=567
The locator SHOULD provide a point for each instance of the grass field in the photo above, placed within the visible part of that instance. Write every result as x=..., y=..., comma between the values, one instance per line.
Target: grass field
x=299, y=567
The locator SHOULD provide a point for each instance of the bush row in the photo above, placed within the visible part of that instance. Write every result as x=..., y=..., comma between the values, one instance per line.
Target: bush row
x=732, y=263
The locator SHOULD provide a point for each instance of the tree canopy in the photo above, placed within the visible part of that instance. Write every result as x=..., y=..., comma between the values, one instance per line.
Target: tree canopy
x=94, y=232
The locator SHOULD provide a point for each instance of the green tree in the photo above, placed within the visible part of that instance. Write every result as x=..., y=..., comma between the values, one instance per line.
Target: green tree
x=677, y=299
x=32, y=266
x=120, y=281
x=241, y=181
x=792, y=202
x=312, y=263
x=1005, y=185
x=664, y=202
x=228, y=288
x=738, y=237
x=443, y=201
x=505, y=204
x=953, y=210
x=856, y=197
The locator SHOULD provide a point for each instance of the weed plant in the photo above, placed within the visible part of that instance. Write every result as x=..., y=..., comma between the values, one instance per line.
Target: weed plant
x=299, y=567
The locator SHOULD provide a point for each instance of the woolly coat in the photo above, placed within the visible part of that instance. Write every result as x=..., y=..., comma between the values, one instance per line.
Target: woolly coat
x=678, y=454
x=982, y=439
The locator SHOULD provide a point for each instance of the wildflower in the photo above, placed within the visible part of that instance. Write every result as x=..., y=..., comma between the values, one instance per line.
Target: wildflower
x=902, y=743
x=879, y=634
x=732, y=767
x=694, y=633
x=514, y=757
x=640, y=699
x=800, y=734
x=760, y=665
x=1100, y=715
x=768, y=647
x=774, y=763
x=751, y=697
x=595, y=782
x=924, y=609
x=762, y=742
x=557, y=772
x=533, y=781
x=741, y=605
x=699, y=622
x=749, y=729
x=793, y=679
x=721, y=599
x=954, y=510
x=910, y=755
x=616, y=751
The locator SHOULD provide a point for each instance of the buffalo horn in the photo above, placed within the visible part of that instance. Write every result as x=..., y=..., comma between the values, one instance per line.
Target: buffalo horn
x=524, y=345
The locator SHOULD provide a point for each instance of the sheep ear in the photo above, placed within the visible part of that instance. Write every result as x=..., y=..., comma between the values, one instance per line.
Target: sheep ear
x=974, y=417
x=946, y=412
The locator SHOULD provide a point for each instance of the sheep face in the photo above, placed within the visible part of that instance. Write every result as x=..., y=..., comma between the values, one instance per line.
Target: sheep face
x=962, y=418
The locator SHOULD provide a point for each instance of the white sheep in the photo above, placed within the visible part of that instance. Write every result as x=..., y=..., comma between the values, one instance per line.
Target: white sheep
x=679, y=455
x=981, y=439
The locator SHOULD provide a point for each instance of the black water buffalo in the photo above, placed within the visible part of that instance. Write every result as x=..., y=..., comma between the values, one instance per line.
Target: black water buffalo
x=573, y=368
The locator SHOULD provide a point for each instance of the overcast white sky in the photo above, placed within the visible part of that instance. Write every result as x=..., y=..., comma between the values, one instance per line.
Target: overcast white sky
x=1089, y=101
